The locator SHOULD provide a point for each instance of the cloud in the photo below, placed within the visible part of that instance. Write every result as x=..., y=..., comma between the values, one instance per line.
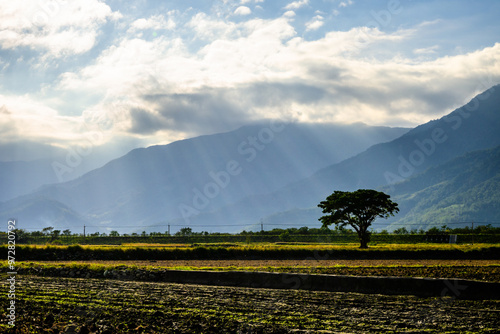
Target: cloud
x=35, y=121
x=211, y=74
x=257, y=69
x=156, y=22
x=243, y=10
x=428, y=50
x=297, y=4
x=56, y=28
x=346, y=3
x=316, y=23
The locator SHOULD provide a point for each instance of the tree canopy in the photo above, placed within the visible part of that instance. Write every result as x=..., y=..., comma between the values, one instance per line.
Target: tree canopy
x=357, y=209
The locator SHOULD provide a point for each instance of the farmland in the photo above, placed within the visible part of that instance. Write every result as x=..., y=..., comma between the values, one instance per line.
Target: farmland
x=483, y=270
x=73, y=291
x=230, y=251
x=110, y=306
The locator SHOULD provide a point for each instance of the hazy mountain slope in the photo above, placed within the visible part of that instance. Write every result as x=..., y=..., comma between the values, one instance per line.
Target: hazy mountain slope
x=161, y=183
x=20, y=177
x=462, y=190
x=474, y=126
x=45, y=212
x=465, y=189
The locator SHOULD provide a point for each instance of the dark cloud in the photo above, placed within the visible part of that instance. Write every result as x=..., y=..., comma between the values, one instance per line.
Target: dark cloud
x=326, y=72
x=211, y=111
x=145, y=122
x=219, y=109
x=282, y=94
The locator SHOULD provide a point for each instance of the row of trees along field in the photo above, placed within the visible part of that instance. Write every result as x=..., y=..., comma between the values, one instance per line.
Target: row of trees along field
x=481, y=233
x=355, y=210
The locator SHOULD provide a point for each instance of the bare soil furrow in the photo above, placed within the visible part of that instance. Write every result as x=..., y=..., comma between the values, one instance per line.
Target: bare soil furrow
x=112, y=306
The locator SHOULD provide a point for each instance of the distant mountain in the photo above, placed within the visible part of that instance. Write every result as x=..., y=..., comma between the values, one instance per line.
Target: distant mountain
x=465, y=189
x=21, y=177
x=45, y=212
x=189, y=177
x=474, y=126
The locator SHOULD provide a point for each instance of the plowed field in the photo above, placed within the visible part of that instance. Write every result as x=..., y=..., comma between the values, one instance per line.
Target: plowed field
x=483, y=270
x=55, y=305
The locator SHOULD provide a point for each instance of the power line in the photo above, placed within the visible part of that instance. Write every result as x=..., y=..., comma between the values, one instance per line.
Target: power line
x=255, y=225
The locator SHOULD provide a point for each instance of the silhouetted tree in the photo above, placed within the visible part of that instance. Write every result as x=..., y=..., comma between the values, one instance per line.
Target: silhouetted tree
x=357, y=209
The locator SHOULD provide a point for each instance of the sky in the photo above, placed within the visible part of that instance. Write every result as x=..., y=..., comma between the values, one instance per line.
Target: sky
x=115, y=75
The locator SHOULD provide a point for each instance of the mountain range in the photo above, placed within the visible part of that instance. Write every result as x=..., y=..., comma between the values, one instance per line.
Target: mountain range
x=474, y=126
x=159, y=184
x=443, y=171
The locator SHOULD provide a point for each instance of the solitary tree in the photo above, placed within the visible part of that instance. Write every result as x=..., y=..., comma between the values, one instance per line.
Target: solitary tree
x=357, y=209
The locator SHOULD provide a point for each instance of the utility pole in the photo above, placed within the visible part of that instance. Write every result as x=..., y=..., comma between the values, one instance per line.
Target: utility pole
x=262, y=225
x=84, y=231
x=473, y=233
x=168, y=230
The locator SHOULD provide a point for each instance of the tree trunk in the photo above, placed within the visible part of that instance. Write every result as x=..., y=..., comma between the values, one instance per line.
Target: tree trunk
x=363, y=243
x=364, y=238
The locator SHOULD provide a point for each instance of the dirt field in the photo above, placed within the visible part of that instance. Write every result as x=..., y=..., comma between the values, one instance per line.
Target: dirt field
x=292, y=263
x=483, y=270
x=55, y=305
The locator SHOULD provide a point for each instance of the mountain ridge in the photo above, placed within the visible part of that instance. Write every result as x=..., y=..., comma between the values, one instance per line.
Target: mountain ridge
x=473, y=126
x=157, y=183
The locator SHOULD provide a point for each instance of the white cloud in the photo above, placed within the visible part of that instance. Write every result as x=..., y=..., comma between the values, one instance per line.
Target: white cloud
x=207, y=28
x=56, y=28
x=156, y=22
x=261, y=69
x=316, y=23
x=243, y=10
x=346, y=3
x=212, y=70
x=34, y=120
x=429, y=50
x=297, y=4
